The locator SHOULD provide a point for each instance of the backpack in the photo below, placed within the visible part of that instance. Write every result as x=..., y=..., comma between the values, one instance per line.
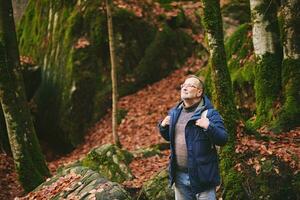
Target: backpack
x=217, y=148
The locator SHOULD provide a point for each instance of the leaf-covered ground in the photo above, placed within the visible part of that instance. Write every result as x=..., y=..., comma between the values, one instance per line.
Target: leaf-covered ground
x=9, y=186
x=145, y=108
x=138, y=129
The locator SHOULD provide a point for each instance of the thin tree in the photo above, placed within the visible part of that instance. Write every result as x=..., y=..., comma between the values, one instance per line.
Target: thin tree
x=222, y=96
x=268, y=52
x=113, y=73
x=29, y=161
x=289, y=116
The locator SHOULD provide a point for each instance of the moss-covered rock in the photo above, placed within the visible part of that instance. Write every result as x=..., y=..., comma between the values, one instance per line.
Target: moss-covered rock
x=110, y=161
x=146, y=152
x=79, y=183
x=68, y=39
x=157, y=188
x=151, y=150
x=32, y=75
x=159, y=56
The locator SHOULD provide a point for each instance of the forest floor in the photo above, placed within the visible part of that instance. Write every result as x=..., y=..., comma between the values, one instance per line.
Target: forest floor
x=138, y=129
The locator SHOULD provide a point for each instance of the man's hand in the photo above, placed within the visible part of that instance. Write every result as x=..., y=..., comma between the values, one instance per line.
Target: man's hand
x=166, y=121
x=203, y=122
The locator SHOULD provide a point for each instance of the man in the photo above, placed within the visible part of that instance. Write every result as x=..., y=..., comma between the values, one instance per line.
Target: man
x=193, y=128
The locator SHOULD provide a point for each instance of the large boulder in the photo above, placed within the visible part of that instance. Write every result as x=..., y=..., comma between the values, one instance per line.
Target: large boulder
x=157, y=188
x=111, y=162
x=78, y=183
x=69, y=40
x=32, y=75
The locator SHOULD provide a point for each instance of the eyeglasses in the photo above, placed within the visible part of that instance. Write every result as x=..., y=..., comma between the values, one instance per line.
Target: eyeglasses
x=188, y=85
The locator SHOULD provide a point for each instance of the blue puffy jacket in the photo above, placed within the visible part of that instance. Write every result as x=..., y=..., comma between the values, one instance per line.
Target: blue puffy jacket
x=202, y=155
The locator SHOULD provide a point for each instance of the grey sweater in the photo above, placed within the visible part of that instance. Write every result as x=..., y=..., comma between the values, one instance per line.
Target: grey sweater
x=180, y=143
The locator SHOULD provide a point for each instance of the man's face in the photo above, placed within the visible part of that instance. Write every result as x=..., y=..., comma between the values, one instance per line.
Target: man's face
x=190, y=89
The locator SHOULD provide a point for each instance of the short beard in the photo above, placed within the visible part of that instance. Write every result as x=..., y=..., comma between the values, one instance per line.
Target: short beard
x=190, y=98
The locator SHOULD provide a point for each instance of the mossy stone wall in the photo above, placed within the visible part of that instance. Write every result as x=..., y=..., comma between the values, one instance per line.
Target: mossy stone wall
x=69, y=40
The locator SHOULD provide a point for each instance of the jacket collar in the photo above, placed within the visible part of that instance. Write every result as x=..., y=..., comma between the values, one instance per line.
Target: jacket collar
x=207, y=105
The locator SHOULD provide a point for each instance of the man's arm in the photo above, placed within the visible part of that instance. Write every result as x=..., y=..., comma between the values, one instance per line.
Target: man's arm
x=163, y=127
x=216, y=129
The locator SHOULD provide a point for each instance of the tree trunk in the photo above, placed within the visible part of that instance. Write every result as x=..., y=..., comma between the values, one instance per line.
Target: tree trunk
x=222, y=96
x=29, y=161
x=266, y=43
x=113, y=73
x=4, y=142
x=289, y=116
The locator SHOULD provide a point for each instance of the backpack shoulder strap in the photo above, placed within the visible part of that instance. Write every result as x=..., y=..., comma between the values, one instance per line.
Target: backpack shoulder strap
x=204, y=113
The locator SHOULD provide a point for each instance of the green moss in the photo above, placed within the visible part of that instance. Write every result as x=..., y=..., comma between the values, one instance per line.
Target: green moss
x=147, y=152
x=76, y=88
x=268, y=68
x=239, y=50
x=110, y=161
x=239, y=44
x=157, y=188
x=267, y=87
x=233, y=187
x=222, y=96
x=162, y=55
x=289, y=115
x=241, y=64
x=238, y=10
x=29, y=162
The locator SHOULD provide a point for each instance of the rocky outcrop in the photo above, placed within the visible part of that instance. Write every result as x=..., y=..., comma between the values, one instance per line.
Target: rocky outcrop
x=68, y=39
x=78, y=183
x=111, y=162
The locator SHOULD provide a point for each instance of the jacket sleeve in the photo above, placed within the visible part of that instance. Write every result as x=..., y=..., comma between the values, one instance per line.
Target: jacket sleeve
x=216, y=130
x=164, y=131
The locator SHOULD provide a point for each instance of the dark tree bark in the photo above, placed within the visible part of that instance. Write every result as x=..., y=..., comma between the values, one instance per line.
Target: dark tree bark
x=289, y=116
x=222, y=96
x=4, y=142
x=113, y=73
x=268, y=52
x=29, y=161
